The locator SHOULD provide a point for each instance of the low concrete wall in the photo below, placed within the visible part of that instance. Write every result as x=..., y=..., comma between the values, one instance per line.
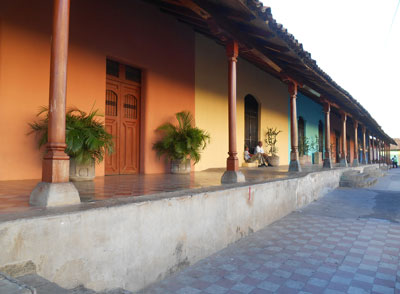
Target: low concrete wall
x=135, y=244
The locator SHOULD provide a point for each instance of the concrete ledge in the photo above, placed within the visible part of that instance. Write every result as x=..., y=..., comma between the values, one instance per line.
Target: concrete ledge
x=133, y=244
x=250, y=164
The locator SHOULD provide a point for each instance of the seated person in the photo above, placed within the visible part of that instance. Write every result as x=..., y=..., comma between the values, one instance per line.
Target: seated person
x=251, y=158
x=259, y=150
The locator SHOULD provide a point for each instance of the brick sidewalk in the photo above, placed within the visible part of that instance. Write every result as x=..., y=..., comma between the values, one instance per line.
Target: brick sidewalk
x=301, y=253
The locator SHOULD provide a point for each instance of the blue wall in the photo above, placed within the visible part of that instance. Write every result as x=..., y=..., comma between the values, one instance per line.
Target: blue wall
x=312, y=113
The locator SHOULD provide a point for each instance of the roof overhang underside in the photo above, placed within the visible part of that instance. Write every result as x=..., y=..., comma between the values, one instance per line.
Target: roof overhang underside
x=268, y=45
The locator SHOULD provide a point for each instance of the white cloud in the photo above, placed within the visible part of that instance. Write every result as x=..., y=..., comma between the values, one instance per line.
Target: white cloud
x=350, y=41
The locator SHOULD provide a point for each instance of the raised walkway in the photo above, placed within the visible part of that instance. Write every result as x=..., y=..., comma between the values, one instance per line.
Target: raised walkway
x=131, y=231
x=346, y=242
x=14, y=195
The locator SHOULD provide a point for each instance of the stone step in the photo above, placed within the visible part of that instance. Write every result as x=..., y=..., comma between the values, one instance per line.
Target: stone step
x=9, y=285
x=42, y=285
x=35, y=284
x=358, y=179
x=358, y=184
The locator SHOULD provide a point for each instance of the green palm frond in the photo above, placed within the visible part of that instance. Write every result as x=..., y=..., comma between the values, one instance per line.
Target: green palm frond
x=85, y=136
x=183, y=141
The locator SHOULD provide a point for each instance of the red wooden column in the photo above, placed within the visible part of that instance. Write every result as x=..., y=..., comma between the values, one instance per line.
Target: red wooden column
x=55, y=188
x=356, y=159
x=232, y=173
x=385, y=152
x=294, y=165
x=327, y=159
x=343, y=159
x=373, y=150
x=369, y=149
x=380, y=157
x=364, y=153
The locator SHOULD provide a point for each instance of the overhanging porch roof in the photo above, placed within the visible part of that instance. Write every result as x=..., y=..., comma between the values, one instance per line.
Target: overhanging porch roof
x=269, y=46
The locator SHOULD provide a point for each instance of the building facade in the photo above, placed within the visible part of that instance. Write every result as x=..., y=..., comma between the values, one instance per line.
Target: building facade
x=140, y=62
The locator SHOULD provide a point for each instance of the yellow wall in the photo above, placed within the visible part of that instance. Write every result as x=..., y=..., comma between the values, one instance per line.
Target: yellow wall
x=211, y=103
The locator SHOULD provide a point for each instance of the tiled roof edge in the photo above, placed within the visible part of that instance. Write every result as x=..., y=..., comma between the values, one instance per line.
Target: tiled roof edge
x=265, y=13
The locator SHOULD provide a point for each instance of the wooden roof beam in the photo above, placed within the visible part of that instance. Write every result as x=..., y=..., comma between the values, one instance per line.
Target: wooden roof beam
x=218, y=26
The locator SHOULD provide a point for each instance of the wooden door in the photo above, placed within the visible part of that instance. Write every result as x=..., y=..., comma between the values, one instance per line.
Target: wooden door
x=338, y=154
x=129, y=130
x=122, y=121
x=250, y=122
x=112, y=125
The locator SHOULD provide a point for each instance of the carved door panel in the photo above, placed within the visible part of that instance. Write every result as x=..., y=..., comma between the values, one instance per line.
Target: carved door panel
x=129, y=130
x=122, y=121
x=112, y=125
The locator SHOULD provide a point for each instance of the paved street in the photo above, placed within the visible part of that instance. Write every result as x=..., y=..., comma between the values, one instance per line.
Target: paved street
x=347, y=242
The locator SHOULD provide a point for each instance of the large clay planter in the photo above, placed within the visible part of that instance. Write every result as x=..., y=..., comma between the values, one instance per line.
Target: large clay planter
x=273, y=160
x=305, y=160
x=317, y=158
x=81, y=172
x=180, y=166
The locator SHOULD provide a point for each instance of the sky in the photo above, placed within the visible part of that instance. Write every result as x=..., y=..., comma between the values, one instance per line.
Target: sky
x=356, y=44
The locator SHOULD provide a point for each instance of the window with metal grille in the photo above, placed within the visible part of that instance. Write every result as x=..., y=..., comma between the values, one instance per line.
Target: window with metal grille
x=130, y=106
x=111, y=103
x=301, y=136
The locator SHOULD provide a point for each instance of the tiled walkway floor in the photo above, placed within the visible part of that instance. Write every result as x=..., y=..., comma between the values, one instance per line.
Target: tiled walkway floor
x=355, y=250
x=14, y=195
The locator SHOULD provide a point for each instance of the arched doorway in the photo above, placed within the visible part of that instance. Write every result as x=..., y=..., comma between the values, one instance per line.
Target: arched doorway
x=338, y=147
x=302, y=135
x=250, y=122
x=321, y=136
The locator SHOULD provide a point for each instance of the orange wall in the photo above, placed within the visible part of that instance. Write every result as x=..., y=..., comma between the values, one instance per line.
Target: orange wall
x=133, y=32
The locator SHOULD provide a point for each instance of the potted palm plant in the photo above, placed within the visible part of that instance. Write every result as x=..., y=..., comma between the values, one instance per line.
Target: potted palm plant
x=316, y=154
x=181, y=143
x=270, y=141
x=86, y=139
x=304, y=149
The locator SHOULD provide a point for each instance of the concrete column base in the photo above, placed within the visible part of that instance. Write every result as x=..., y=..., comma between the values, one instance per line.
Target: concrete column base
x=231, y=177
x=294, y=166
x=54, y=194
x=343, y=162
x=355, y=162
x=327, y=163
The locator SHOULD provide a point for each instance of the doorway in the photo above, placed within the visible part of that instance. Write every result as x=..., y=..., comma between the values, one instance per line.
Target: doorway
x=337, y=140
x=250, y=122
x=320, y=136
x=302, y=140
x=123, y=117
